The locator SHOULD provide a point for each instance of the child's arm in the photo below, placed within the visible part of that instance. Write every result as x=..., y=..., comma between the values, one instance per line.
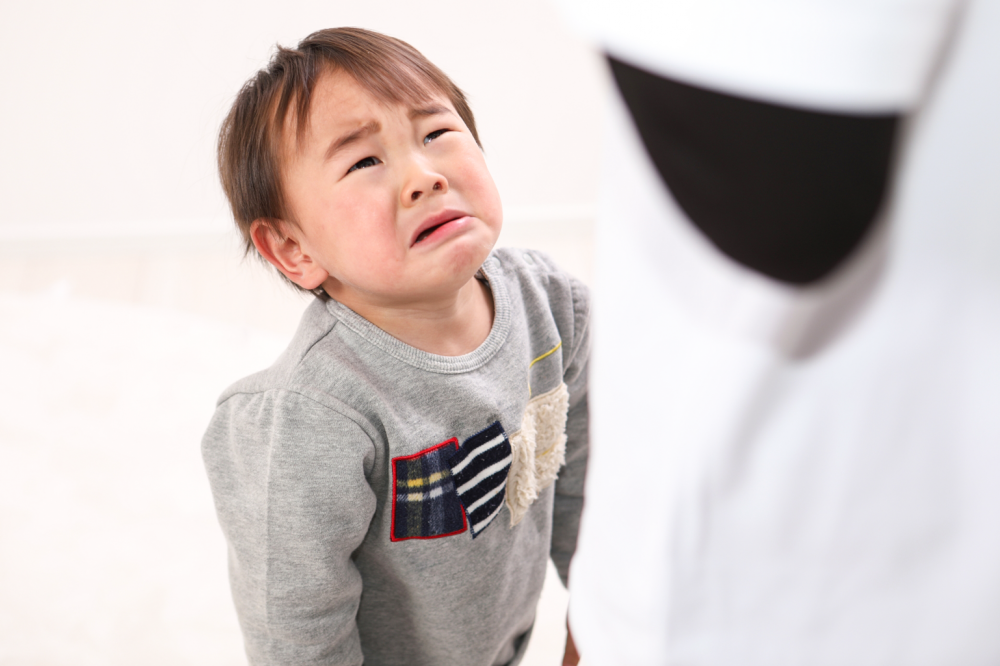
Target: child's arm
x=289, y=479
x=569, y=486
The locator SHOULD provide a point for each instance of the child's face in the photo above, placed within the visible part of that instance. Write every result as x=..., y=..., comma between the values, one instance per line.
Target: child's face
x=394, y=203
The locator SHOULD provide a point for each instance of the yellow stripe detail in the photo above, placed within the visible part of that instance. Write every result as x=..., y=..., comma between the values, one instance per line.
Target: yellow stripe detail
x=548, y=353
x=427, y=480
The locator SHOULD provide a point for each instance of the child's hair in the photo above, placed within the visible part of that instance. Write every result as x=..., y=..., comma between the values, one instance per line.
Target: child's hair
x=250, y=139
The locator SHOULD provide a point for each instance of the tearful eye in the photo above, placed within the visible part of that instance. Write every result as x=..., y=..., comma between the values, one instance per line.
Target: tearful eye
x=365, y=163
x=433, y=135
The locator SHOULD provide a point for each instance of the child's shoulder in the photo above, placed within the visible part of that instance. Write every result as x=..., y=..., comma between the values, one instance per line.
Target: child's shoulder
x=291, y=368
x=542, y=284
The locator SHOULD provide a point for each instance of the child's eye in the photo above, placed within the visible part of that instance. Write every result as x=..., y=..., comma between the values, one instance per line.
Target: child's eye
x=433, y=135
x=365, y=163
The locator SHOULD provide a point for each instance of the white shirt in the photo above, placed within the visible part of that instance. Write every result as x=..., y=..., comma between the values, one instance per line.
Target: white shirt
x=784, y=475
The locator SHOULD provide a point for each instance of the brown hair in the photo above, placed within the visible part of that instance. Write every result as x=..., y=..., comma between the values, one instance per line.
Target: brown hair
x=250, y=137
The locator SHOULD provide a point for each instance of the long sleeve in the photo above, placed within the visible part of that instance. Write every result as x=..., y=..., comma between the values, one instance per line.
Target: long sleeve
x=569, y=486
x=289, y=477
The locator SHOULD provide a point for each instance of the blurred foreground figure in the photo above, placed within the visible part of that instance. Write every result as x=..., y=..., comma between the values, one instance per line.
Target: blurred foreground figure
x=796, y=384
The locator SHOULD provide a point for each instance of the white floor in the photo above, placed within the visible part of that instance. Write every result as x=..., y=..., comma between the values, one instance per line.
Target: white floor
x=112, y=352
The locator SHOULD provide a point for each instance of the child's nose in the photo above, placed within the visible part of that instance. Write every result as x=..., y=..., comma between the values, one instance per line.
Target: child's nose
x=422, y=182
x=436, y=187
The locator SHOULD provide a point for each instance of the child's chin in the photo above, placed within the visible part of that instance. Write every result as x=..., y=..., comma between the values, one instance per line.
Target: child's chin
x=468, y=251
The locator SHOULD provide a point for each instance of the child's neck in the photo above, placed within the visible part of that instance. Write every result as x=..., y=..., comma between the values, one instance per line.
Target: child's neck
x=450, y=326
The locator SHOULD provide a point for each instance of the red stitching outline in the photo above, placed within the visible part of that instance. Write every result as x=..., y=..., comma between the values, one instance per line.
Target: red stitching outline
x=392, y=524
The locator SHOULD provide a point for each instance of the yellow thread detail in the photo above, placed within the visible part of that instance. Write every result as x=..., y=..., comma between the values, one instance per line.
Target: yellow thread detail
x=548, y=353
x=539, y=455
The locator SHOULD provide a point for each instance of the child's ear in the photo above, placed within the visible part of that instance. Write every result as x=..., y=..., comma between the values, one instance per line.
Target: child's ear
x=284, y=250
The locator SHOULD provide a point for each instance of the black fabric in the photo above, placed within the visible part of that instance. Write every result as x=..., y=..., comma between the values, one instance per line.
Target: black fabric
x=787, y=192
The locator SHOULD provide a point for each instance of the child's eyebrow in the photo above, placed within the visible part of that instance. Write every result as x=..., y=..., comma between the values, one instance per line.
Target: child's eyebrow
x=429, y=111
x=344, y=140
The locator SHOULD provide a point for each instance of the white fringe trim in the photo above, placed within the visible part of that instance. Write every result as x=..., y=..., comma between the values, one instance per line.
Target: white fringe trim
x=539, y=450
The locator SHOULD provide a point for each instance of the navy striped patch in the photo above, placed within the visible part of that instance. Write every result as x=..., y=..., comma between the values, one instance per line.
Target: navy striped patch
x=480, y=471
x=424, y=502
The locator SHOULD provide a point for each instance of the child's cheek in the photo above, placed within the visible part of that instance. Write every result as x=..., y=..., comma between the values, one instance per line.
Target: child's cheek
x=476, y=175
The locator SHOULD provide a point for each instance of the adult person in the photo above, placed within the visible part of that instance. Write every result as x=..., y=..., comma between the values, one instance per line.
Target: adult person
x=796, y=374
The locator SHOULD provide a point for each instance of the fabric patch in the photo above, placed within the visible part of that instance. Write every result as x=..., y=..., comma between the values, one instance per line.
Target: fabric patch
x=480, y=474
x=538, y=450
x=424, y=502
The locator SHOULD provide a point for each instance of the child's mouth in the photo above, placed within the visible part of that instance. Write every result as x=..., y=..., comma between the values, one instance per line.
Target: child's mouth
x=427, y=232
x=440, y=225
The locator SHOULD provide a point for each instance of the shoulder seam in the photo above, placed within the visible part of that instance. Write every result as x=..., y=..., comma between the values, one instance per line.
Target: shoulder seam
x=363, y=424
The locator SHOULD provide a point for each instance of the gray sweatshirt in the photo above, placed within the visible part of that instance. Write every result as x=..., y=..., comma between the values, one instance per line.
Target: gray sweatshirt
x=387, y=505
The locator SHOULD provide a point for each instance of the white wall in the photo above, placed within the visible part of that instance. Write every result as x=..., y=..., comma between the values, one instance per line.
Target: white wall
x=111, y=107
